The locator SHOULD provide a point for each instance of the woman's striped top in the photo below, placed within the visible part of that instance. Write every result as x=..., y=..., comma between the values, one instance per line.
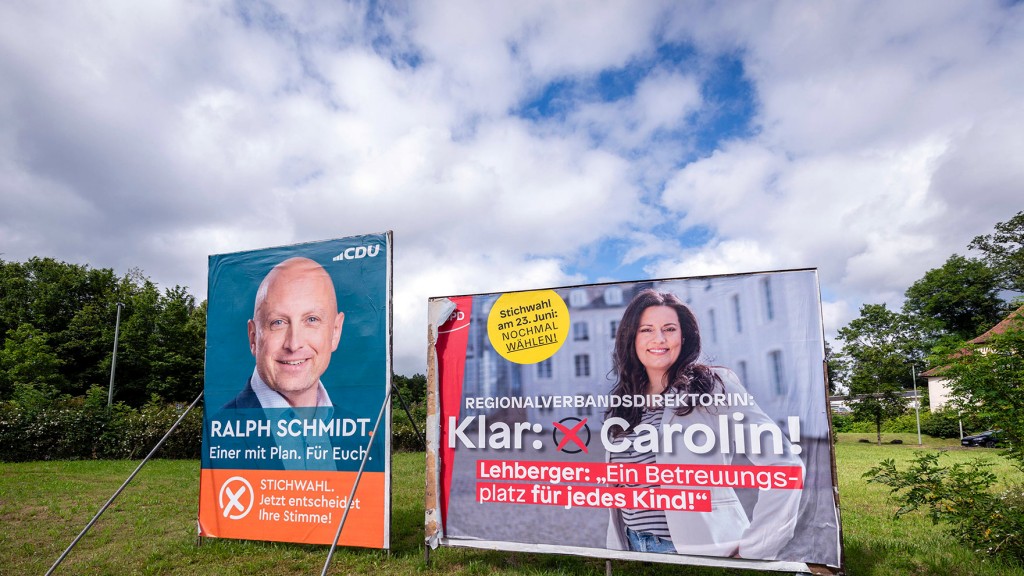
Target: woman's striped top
x=652, y=521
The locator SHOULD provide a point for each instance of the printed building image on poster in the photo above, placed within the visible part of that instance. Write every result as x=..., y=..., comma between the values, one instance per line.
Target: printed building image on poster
x=678, y=420
x=297, y=370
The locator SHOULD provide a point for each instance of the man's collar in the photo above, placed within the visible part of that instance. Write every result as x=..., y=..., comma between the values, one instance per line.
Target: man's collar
x=272, y=399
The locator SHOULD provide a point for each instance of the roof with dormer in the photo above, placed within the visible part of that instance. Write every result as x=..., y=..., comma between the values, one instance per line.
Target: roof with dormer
x=1013, y=318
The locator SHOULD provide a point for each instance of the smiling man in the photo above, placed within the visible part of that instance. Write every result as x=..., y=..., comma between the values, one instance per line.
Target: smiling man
x=295, y=327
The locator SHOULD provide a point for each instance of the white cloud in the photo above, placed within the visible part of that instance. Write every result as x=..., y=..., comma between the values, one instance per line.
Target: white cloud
x=884, y=137
x=885, y=142
x=726, y=257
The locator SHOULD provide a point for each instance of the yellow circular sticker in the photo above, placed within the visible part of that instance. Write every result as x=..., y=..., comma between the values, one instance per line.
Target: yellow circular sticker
x=528, y=327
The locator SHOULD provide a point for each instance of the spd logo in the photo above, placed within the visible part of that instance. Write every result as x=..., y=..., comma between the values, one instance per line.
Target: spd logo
x=456, y=321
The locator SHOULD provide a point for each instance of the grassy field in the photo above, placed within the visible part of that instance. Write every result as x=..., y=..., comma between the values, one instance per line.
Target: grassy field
x=151, y=528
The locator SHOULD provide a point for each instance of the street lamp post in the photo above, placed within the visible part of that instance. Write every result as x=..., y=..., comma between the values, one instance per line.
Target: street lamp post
x=113, y=359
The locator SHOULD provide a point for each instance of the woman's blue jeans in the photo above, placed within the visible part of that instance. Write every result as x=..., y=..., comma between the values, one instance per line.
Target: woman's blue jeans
x=647, y=542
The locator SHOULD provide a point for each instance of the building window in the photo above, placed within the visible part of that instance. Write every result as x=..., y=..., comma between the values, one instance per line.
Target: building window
x=712, y=325
x=578, y=298
x=778, y=376
x=614, y=326
x=580, y=331
x=741, y=367
x=582, y=365
x=582, y=411
x=613, y=295
x=544, y=370
x=769, y=303
x=738, y=312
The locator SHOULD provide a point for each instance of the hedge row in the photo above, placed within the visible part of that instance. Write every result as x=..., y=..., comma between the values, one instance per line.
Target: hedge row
x=74, y=429
x=941, y=424
x=84, y=428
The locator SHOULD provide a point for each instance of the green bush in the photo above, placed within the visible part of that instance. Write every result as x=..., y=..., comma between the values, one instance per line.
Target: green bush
x=842, y=422
x=84, y=428
x=905, y=423
x=946, y=424
x=403, y=436
x=960, y=497
x=859, y=426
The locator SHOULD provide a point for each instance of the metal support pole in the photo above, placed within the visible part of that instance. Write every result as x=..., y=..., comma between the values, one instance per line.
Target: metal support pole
x=123, y=486
x=395, y=391
x=355, y=484
x=113, y=359
x=917, y=401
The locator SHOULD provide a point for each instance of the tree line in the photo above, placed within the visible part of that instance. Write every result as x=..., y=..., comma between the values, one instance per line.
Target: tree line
x=57, y=323
x=883, y=352
x=57, y=327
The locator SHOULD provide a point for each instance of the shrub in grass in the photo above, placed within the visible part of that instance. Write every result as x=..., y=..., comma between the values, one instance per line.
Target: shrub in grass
x=946, y=424
x=905, y=424
x=403, y=436
x=962, y=498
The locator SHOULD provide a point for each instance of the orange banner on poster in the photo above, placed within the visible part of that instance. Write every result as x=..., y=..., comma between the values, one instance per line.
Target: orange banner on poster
x=292, y=506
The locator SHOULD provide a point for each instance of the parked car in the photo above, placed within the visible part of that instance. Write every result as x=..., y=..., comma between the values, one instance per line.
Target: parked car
x=987, y=439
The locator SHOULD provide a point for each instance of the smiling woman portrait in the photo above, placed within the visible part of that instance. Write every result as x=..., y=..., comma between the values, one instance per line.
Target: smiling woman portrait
x=657, y=352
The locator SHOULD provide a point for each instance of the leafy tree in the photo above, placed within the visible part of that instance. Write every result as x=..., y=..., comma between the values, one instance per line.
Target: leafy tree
x=412, y=388
x=72, y=309
x=835, y=369
x=29, y=369
x=406, y=436
x=14, y=296
x=178, y=346
x=987, y=382
x=878, y=348
x=1004, y=252
x=136, y=346
x=68, y=303
x=962, y=297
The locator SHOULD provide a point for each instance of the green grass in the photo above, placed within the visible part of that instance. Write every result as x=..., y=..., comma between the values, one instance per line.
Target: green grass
x=151, y=527
x=875, y=543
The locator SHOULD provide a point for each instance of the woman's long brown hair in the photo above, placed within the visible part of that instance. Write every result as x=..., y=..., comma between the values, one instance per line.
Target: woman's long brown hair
x=685, y=376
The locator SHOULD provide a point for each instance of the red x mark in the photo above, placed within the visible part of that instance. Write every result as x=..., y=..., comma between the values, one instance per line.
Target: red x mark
x=571, y=434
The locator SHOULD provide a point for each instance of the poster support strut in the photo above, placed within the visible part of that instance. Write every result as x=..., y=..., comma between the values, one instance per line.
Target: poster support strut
x=123, y=486
x=415, y=428
x=355, y=485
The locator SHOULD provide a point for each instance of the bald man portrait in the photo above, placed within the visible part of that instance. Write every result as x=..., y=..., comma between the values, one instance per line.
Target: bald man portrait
x=294, y=328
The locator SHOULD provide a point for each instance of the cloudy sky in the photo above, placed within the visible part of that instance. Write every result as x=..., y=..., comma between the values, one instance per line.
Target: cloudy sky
x=513, y=145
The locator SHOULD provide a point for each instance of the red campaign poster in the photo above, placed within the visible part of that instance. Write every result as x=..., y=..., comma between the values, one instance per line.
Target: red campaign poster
x=675, y=420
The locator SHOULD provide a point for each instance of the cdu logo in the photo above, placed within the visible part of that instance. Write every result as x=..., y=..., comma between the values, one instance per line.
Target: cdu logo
x=357, y=252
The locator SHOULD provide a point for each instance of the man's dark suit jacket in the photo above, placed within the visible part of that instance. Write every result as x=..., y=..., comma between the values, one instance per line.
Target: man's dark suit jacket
x=245, y=399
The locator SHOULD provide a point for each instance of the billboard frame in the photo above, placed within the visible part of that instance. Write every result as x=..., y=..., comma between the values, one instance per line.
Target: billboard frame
x=441, y=308
x=330, y=441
